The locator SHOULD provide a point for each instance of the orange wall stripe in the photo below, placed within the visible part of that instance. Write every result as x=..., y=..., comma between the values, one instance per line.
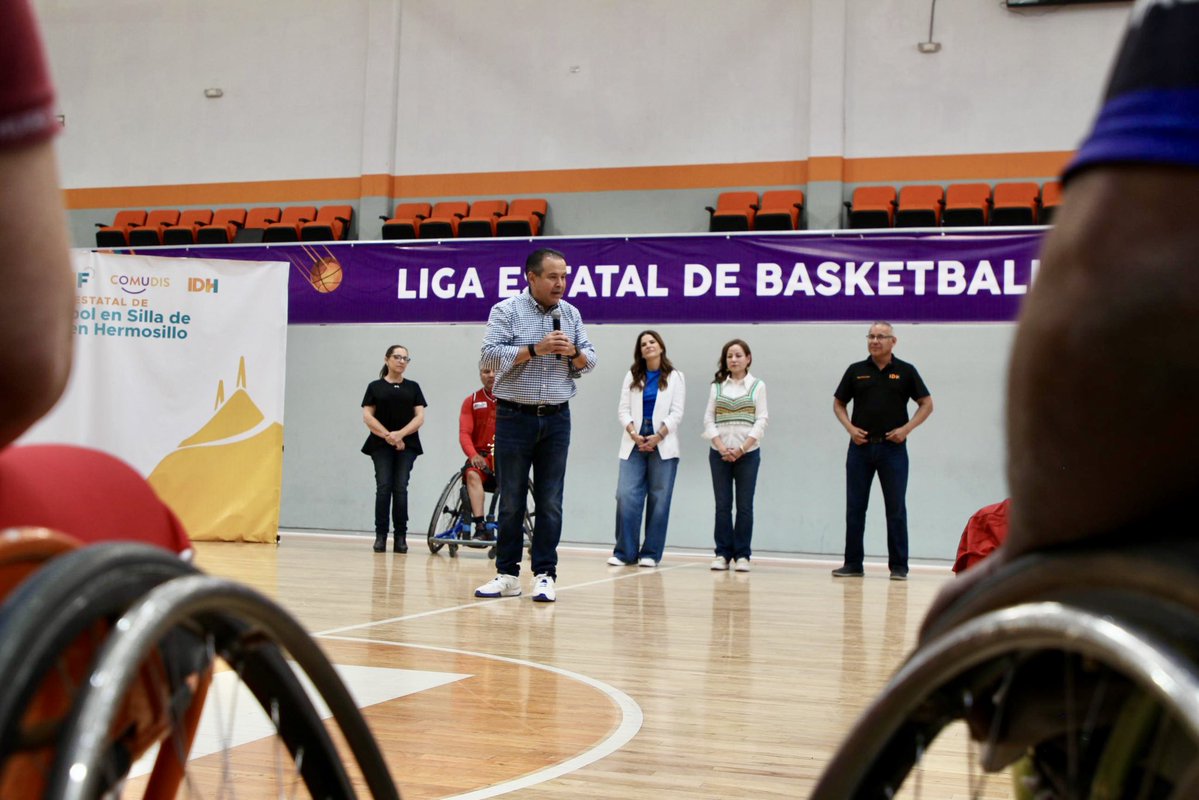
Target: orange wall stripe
x=932, y=169
x=938, y=169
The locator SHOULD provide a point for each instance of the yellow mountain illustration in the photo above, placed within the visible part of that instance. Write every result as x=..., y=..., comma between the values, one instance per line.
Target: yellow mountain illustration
x=225, y=480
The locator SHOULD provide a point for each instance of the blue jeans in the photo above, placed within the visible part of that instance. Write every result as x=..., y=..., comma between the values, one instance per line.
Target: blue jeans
x=890, y=461
x=646, y=482
x=392, y=468
x=732, y=540
x=524, y=442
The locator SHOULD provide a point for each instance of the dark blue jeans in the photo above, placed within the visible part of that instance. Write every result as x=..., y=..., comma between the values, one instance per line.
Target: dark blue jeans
x=738, y=477
x=525, y=443
x=890, y=461
x=392, y=468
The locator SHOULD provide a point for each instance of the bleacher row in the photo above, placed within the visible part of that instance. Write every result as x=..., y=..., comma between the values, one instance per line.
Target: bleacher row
x=463, y=220
x=960, y=205
x=138, y=228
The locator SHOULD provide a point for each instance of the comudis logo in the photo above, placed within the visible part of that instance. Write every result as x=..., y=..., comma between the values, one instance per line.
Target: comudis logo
x=138, y=284
x=208, y=285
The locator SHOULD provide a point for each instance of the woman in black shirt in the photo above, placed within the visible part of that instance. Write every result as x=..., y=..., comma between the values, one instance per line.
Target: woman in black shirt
x=393, y=409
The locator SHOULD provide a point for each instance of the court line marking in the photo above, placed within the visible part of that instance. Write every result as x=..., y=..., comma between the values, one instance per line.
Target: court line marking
x=490, y=601
x=631, y=718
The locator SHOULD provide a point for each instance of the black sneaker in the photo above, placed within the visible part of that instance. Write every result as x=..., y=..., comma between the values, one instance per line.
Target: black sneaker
x=848, y=572
x=483, y=533
x=899, y=574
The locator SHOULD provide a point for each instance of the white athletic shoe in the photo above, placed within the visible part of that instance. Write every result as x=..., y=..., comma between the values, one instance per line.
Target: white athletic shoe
x=647, y=562
x=616, y=562
x=500, y=586
x=720, y=564
x=543, y=589
x=741, y=565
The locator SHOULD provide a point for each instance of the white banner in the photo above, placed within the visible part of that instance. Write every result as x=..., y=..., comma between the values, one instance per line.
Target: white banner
x=179, y=370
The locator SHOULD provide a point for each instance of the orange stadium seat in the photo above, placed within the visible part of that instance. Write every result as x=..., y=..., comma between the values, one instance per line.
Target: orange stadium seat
x=332, y=223
x=405, y=222
x=117, y=234
x=1016, y=204
x=967, y=204
x=525, y=217
x=781, y=210
x=443, y=220
x=224, y=227
x=920, y=207
x=1051, y=196
x=150, y=234
x=734, y=212
x=287, y=229
x=482, y=218
x=872, y=207
x=189, y=223
x=257, y=220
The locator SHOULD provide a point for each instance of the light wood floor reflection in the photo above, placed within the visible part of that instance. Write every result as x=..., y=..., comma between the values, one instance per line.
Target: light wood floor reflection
x=675, y=682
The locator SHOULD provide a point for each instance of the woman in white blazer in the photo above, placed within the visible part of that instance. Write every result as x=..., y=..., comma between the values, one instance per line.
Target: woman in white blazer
x=651, y=410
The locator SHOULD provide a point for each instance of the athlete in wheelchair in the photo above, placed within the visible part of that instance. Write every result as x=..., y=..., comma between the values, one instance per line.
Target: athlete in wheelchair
x=1071, y=654
x=459, y=519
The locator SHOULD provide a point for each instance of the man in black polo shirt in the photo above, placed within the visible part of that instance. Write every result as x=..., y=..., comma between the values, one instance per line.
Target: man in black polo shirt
x=880, y=388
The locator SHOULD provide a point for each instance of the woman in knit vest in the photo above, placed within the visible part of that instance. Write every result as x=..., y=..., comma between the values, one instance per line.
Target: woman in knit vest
x=734, y=423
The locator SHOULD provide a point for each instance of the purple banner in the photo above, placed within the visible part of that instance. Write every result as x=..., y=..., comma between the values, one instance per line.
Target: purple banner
x=842, y=277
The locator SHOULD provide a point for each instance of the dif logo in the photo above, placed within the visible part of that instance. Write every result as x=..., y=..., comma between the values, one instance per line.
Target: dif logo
x=208, y=285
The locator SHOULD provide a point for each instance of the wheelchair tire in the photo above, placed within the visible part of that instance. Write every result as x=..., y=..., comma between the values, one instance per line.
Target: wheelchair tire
x=60, y=603
x=971, y=672
x=445, y=514
x=252, y=635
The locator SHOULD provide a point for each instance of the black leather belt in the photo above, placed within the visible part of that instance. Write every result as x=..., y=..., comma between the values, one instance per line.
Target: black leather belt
x=532, y=410
x=872, y=439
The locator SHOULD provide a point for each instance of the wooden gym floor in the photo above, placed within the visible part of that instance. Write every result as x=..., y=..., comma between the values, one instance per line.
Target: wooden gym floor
x=675, y=682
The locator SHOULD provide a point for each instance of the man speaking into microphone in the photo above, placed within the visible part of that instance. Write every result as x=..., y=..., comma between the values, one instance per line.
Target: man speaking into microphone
x=537, y=345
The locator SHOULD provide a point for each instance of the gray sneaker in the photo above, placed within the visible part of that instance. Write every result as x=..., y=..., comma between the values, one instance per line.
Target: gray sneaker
x=848, y=572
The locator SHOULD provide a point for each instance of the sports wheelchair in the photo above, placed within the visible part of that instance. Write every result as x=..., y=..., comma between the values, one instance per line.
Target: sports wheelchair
x=117, y=658
x=451, y=522
x=1076, y=670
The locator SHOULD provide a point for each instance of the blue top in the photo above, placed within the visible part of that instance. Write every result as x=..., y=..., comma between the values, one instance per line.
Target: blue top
x=649, y=395
x=1151, y=112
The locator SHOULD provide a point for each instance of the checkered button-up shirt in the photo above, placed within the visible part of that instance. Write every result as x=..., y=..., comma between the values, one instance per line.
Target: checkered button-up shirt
x=518, y=322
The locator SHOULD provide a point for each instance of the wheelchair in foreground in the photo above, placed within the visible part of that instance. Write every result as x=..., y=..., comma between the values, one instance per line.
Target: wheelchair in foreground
x=451, y=523
x=123, y=667
x=1074, y=671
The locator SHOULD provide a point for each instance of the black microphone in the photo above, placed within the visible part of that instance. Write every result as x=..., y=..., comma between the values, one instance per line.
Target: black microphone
x=557, y=317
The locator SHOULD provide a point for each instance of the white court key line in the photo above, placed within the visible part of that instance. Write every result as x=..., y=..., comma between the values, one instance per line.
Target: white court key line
x=486, y=601
x=631, y=719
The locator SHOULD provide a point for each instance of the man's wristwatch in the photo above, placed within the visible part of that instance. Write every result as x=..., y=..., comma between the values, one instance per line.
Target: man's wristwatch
x=532, y=351
x=577, y=353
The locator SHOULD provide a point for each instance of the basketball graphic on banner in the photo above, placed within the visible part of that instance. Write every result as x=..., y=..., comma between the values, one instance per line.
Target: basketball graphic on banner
x=325, y=275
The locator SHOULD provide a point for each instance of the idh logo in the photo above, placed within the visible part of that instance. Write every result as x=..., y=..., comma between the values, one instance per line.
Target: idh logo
x=208, y=285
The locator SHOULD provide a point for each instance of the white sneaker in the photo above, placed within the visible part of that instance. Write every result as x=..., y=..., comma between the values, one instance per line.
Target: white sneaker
x=741, y=565
x=647, y=562
x=543, y=589
x=720, y=563
x=616, y=562
x=500, y=586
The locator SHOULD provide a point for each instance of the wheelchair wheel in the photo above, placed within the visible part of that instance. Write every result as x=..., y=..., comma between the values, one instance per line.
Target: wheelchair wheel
x=253, y=637
x=447, y=517
x=1098, y=706
x=49, y=629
